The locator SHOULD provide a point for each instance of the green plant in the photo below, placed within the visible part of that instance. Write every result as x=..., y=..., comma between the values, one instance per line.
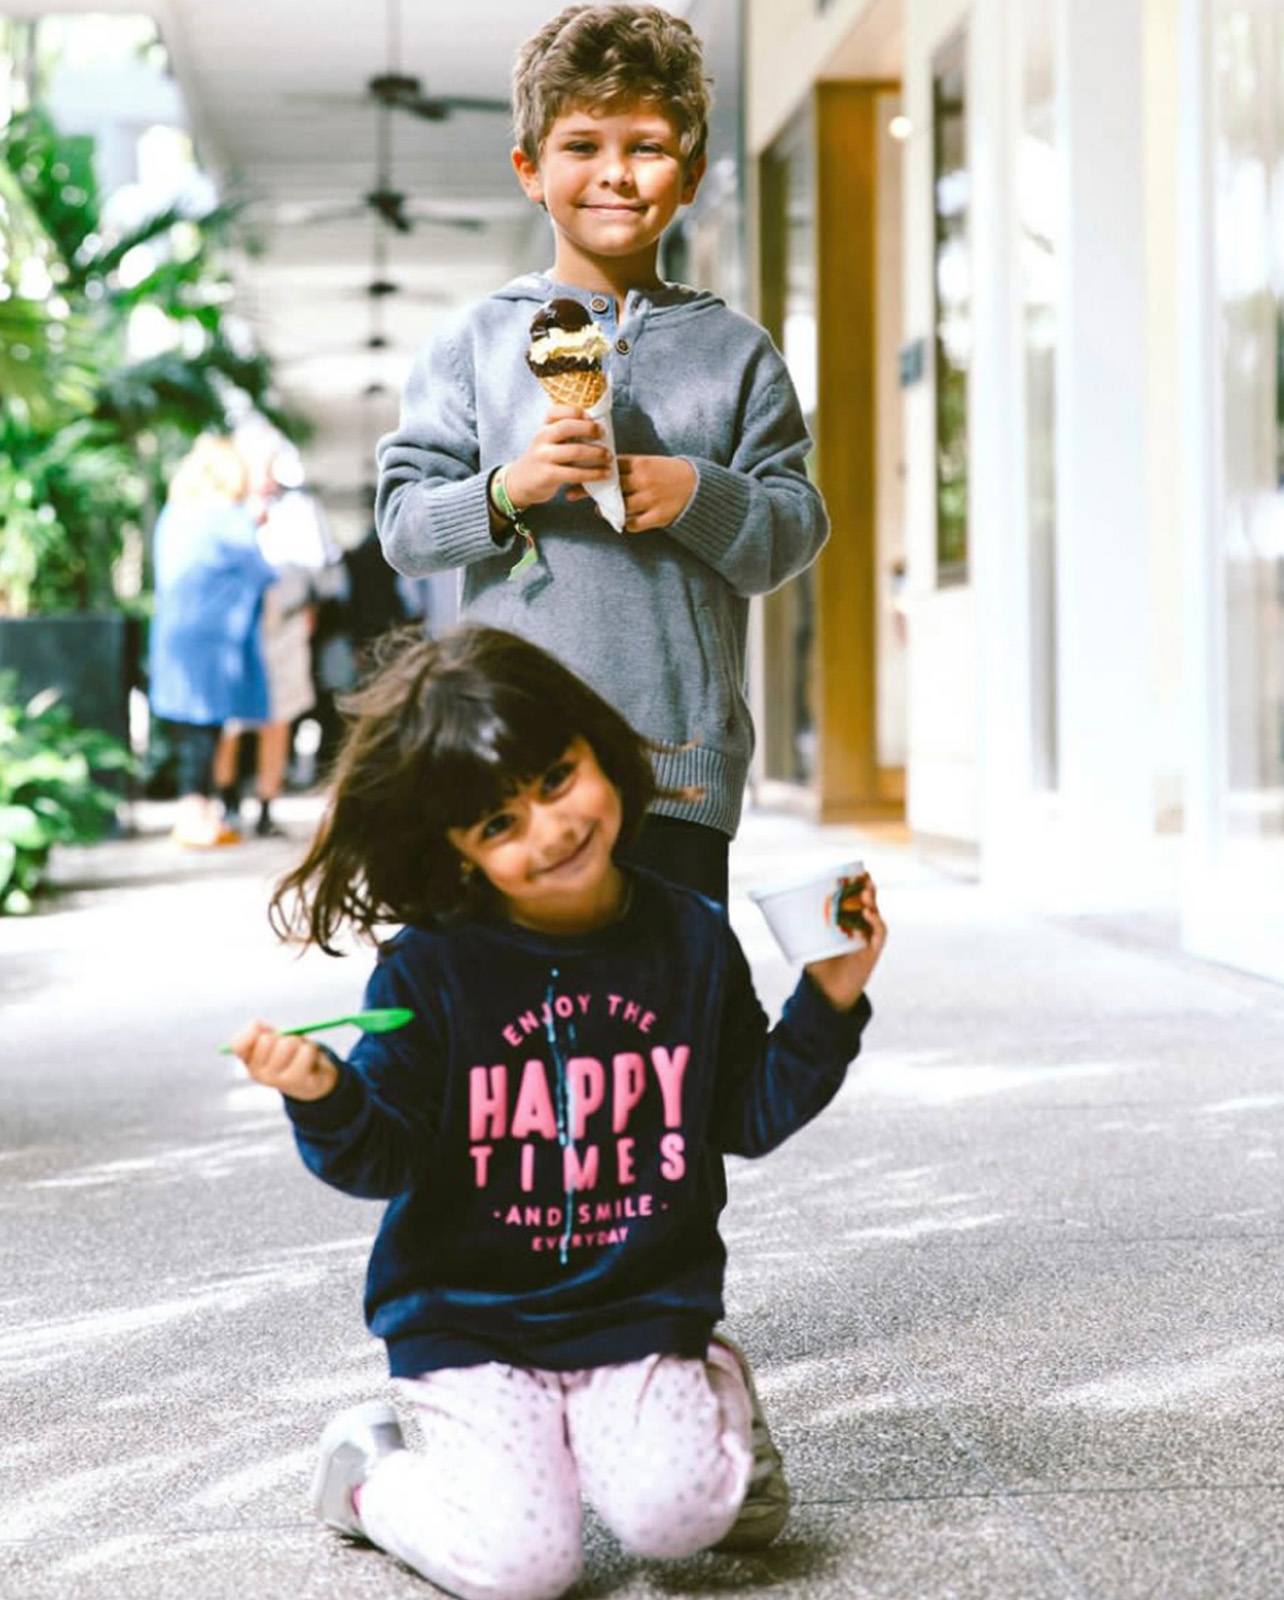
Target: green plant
x=50, y=789
x=90, y=435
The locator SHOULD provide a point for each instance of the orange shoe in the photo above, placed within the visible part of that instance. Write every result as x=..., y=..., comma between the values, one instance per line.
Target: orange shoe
x=204, y=838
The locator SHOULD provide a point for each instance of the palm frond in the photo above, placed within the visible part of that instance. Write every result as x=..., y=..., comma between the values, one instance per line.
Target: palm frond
x=214, y=221
x=45, y=362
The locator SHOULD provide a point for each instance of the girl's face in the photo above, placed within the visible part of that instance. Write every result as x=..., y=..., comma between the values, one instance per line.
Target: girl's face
x=548, y=851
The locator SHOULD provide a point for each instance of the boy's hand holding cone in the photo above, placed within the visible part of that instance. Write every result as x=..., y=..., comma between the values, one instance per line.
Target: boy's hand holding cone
x=566, y=354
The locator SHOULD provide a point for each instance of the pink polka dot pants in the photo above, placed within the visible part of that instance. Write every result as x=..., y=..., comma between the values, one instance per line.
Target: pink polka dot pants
x=489, y=1508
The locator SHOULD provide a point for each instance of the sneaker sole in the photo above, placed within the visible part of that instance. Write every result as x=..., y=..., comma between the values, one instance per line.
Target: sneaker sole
x=331, y=1500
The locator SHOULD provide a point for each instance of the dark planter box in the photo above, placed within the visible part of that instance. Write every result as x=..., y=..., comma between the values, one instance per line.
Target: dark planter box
x=93, y=659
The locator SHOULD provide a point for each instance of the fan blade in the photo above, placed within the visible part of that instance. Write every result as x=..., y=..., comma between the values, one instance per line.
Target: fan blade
x=401, y=212
x=401, y=93
x=468, y=102
x=382, y=288
x=303, y=214
x=444, y=219
x=437, y=107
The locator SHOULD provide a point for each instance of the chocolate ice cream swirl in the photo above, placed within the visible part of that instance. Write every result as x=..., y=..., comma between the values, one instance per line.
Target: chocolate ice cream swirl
x=564, y=338
x=569, y=315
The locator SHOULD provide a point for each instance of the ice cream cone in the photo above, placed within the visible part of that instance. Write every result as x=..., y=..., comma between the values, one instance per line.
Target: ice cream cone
x=565, y=337
x=577, y=388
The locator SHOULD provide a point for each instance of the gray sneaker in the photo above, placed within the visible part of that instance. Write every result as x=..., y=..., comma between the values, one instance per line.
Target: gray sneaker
x=766, y=1505
x=350, y=1446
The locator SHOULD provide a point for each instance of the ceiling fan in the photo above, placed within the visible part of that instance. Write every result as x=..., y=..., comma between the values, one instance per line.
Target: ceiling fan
x=376, y=291
x=383, y=200
x=380, y=288
x=391, y=206
x=395, y=90
x=387, y=203
x=389, y=91
x=401, y=92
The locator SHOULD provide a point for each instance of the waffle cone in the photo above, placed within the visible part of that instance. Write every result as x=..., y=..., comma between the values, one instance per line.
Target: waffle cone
x=575, y=388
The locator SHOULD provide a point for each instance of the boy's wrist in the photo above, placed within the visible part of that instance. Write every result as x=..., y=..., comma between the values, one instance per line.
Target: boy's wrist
x=499, y=497
x=501, y=507
x=501, y=526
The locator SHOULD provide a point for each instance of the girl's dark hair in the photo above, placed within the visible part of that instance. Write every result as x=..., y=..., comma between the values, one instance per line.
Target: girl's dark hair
x=439, y=737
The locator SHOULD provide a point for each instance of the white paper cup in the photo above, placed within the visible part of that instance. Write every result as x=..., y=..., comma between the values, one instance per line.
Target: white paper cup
x=802, y=913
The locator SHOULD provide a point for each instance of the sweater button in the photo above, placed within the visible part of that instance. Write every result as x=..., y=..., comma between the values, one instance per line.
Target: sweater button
x=623, y=346
x=599, y=303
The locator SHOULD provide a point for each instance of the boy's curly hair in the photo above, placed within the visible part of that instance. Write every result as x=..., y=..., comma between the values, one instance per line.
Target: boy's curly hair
x=603, y=56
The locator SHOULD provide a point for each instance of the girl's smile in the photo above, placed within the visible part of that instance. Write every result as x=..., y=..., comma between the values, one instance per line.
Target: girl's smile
x=570, y=863
x=547, y=852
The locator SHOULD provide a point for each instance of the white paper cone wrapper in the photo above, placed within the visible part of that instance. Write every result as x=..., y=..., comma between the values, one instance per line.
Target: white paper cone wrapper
x=606, y=491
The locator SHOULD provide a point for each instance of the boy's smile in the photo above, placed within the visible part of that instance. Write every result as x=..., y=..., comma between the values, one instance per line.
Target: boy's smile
x=612, y=182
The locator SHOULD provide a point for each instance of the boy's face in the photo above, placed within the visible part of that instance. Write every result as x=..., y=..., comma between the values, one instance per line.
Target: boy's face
x=612, y=180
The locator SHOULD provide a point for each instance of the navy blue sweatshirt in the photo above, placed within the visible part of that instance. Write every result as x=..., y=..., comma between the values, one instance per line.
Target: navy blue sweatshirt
x=550, y=1129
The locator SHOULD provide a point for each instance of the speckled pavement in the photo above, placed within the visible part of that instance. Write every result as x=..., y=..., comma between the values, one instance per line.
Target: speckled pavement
x=1013, y=1301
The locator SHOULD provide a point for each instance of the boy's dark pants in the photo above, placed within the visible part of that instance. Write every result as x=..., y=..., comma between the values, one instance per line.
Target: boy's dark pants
x=686, y=853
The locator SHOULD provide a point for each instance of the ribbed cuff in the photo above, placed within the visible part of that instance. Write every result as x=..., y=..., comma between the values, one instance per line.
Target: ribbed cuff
x=334, y=1110
x=715, y=513
x=720, y=780
x=447, y=525
x=821, y=1027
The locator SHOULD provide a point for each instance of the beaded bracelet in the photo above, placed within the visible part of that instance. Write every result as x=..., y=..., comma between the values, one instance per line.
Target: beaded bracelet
x=503, y=504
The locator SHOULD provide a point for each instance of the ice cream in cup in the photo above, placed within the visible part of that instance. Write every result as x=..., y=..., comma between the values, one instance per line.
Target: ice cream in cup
x=566, y=352
x=819, y=916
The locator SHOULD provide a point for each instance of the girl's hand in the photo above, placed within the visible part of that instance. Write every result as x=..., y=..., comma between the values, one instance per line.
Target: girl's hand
x=842, y=979
x=289, y=1063
x=566, y=450
x=657, y=490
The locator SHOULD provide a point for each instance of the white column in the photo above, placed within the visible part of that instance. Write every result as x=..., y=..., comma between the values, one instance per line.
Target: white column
x=999, y=537
x=1107, y=854
x=1201, y=404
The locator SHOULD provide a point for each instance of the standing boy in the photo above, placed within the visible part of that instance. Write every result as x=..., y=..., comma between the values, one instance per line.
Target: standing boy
x=610, y=107
x=610, y=111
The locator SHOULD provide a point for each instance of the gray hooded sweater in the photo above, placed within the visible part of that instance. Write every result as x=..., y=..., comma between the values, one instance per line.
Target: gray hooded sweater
x=655, y=622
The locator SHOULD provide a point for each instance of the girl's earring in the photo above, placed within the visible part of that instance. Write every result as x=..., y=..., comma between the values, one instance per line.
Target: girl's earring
x=466, y=870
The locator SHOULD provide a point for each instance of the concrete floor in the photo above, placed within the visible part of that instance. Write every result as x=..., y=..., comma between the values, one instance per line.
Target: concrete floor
x=1013, y=1301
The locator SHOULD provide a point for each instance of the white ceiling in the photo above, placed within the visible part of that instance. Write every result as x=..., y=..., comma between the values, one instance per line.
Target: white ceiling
x=277, y=96
x=275, y=90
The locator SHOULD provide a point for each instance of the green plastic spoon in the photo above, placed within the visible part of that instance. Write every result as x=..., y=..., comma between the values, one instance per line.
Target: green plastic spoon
x=386, y=1020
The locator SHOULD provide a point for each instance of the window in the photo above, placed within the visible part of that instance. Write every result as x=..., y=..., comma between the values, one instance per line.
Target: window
x=1248, y=73
x=951, y=184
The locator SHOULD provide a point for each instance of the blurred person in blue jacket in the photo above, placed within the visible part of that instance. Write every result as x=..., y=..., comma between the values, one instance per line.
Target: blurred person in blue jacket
x=295, y=538
x=206, y=658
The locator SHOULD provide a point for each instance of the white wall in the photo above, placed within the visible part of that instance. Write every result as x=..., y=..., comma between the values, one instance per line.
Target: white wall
x=1105, y=593
x=942, y=797
x=790, y=44
x=1163, y=410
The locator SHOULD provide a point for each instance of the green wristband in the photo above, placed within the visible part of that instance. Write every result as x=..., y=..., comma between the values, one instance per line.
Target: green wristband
x=503, y=503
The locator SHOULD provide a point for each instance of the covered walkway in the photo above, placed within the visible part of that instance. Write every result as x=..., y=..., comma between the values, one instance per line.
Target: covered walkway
x=1013, y=1300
